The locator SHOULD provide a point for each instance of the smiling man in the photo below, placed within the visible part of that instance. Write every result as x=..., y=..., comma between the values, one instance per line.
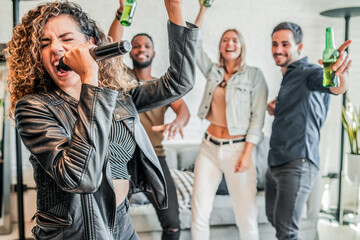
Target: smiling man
x=300, y=110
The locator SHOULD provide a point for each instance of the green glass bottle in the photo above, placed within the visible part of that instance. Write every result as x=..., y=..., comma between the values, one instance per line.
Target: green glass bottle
x=330, y=56
x=207, y=3
x=128, y=12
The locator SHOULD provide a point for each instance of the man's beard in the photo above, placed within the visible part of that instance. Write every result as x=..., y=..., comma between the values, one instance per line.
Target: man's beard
x=283, y=64
x=137, y=64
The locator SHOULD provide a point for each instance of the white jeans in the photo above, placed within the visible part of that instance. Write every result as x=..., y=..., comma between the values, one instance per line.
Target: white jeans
x=212, y=161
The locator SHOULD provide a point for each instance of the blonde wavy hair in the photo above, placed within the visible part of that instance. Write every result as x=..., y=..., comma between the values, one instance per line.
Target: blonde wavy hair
x=26, y=73
x=241, y=59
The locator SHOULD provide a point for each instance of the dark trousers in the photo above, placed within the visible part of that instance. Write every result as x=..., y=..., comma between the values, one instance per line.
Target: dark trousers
x=169, y=218
x=124, y=229
x=286, y=191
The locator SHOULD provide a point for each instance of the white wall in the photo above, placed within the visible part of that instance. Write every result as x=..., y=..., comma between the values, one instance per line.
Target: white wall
x=255, y=19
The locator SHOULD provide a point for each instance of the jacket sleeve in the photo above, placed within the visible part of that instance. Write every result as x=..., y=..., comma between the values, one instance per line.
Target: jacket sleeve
x=180, y=76
x=258, y=108
x=203, y=61
x=75, y=160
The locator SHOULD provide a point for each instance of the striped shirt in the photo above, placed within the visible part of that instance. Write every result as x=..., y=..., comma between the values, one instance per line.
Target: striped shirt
x=122, y=147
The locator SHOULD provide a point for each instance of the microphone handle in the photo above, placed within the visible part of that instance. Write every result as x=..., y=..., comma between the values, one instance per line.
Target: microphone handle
x=103, y=52
x=110, y=50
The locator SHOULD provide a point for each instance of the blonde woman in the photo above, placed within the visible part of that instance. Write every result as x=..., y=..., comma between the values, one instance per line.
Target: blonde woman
x=234, y=102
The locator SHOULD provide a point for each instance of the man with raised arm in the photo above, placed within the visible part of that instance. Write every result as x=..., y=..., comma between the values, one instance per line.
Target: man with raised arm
x=300, y=110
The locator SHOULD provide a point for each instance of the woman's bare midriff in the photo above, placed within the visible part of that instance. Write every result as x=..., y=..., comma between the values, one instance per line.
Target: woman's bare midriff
x=121, y=188
x=221, y=132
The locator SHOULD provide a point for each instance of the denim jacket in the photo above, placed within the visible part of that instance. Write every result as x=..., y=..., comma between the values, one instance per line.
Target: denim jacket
x=246, y=97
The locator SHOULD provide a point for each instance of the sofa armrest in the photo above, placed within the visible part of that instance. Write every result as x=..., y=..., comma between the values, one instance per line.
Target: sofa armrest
x=171, y=158
x=187, y=156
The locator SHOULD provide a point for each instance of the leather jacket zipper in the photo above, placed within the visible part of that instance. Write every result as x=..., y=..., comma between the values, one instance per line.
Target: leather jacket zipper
x=112, y=219
x=87, y=217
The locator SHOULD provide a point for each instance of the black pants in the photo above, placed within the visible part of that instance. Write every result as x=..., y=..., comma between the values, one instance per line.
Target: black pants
x=286, y=191
x=169, y=218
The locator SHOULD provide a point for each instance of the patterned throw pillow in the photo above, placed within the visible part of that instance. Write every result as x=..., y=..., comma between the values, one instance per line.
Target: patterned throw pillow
x=184, y=181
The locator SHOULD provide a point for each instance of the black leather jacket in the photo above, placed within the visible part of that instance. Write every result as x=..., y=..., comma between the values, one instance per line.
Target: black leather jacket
x=68, y=141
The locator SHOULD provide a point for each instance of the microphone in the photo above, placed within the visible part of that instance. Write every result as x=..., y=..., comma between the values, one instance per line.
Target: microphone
x=103, y=52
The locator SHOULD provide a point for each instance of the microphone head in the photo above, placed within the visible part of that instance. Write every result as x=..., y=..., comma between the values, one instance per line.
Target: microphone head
x=125, y=46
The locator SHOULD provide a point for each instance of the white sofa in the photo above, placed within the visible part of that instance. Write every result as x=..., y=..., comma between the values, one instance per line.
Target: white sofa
x=181, y=156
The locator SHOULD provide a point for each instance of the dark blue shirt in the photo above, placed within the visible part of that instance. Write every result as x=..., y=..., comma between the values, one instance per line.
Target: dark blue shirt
x=300, y=111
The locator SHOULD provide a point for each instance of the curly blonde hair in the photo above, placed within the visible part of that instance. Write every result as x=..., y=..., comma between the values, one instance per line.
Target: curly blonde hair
x=27, y=74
